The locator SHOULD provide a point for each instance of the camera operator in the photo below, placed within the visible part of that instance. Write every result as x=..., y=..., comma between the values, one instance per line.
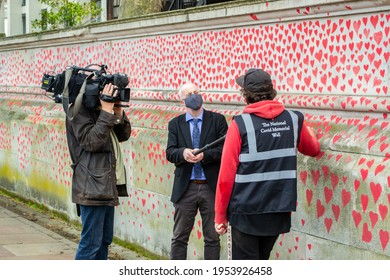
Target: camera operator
x=99, y=176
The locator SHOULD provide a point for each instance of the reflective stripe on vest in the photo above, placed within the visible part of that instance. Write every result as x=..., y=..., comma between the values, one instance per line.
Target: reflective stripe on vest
x=253, y=155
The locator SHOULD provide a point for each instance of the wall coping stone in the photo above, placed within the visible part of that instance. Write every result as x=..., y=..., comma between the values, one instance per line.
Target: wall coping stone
x=237, y=13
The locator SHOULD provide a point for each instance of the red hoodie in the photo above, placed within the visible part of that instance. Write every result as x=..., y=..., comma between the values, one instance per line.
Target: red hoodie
x=269, y=109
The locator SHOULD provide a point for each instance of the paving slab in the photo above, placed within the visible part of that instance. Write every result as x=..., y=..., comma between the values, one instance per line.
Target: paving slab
x=24, y=239
x=27, y=234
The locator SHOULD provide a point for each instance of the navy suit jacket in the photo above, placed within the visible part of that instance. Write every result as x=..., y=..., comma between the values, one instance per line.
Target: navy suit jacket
x=214, y=126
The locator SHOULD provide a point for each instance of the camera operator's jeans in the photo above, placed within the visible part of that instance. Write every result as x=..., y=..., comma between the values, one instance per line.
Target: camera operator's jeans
x=97, y=232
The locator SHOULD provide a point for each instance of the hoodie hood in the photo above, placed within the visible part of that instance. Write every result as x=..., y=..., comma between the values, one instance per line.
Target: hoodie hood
x=268, y=109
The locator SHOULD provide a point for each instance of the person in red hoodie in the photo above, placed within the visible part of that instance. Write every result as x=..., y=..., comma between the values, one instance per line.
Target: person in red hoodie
x=257, y=184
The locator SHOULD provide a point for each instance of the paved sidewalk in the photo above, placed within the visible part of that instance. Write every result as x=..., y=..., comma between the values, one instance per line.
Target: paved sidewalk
x=23, y=236
x=21, y=239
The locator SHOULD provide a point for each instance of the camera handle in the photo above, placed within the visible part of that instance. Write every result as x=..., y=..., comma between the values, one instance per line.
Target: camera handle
x=121, y=105
x=107, y=98
x=110, y=99
x=103, y=68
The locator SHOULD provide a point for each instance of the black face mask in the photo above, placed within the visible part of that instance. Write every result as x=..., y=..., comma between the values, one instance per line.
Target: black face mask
x=194, y=101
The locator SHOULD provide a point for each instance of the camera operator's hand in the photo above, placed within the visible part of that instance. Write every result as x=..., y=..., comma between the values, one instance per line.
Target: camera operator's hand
x=109, y=90
x=118, y=110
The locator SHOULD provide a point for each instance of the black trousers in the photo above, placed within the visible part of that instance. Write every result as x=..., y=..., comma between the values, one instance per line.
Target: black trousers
x=251, y=247
x=197, y=197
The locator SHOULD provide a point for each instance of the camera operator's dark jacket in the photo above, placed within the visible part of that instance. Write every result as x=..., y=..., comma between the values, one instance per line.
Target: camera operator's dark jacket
x=93, y=157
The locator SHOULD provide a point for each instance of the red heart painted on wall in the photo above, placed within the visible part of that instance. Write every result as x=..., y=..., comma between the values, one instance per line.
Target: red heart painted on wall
x=367, y=234
x=328, y=224
x=325, y=170
x=320, y=209
x=328, y=194
x=379, y=169
x=356, y=184
x=345, y=197
x=384, y=238
x=315, y=174
x=303, y=176
x=334, y=179
x=309, y=196
x=364, y=173
x=357, y=217
x=373, y=218
x=336, y=211
x=376, y=190
x=383, y=211
x=364, y=202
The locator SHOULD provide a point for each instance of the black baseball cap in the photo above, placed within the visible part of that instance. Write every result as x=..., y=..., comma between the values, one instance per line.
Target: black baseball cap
x=254, y=80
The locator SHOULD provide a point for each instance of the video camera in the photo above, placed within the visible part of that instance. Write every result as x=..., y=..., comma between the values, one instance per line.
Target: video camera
x=95, y=83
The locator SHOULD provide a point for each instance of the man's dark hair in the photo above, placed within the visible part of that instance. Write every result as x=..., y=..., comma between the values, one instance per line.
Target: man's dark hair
x=267, y=93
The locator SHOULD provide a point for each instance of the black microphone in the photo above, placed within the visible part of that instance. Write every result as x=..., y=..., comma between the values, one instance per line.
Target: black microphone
x=209, y=145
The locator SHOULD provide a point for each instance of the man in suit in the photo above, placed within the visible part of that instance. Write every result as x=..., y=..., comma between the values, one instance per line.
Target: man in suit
x=195, y=175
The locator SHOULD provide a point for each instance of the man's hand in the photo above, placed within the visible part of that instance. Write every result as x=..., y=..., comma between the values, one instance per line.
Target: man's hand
x=189, y=156
x=221, y=229
x=109, y=90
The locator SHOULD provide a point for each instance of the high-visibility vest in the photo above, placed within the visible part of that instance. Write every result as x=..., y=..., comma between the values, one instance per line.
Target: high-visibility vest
x=266, y=179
